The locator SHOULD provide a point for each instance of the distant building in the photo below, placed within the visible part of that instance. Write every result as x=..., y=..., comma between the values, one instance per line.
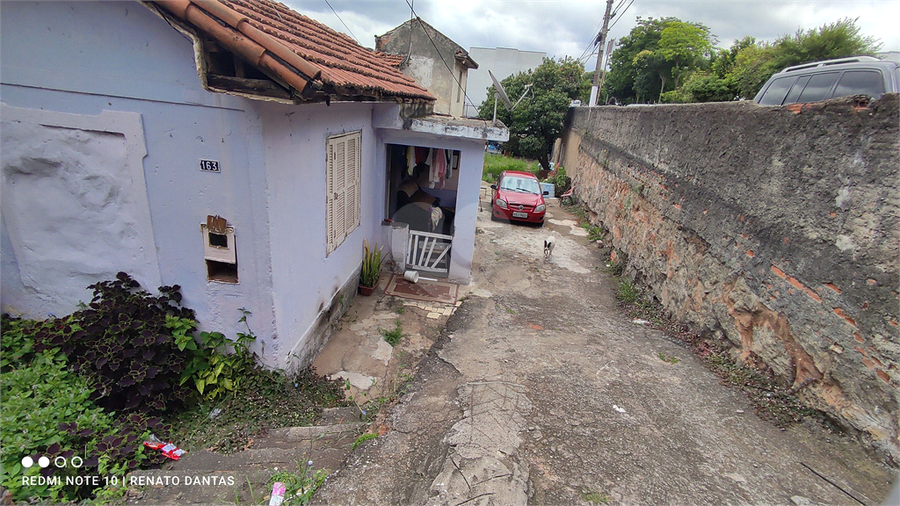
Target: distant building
x=433, y=60
x=502, y=62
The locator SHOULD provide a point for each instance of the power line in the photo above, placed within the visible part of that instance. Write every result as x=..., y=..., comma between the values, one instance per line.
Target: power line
x=342, y=22
x=591, y=44
x=619, y=16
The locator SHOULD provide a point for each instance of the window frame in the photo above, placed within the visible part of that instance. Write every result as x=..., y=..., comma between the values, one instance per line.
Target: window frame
x=343, y=178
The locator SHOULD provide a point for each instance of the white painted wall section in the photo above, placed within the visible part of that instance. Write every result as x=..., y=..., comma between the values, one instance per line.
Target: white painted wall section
x=74, y=204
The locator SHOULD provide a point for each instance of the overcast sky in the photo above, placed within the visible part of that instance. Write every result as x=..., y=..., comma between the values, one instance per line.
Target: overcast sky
x=566, y=28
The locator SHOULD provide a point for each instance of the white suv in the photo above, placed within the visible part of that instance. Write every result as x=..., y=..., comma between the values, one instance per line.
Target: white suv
x=811, y=82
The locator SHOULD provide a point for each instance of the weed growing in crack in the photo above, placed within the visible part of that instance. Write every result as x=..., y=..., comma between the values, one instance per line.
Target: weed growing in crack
x=595, y=233
x=773, y=400
x=595, y=497
x=627, y=292
x=299, y=486
x=363, y=438
x=394, y=335
x=615, y=268
x=669, y=358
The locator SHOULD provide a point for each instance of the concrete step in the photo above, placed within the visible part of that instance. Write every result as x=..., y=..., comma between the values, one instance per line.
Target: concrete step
x=204, y=477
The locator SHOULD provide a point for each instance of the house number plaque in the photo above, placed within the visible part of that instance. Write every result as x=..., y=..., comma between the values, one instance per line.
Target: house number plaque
x=210, y=166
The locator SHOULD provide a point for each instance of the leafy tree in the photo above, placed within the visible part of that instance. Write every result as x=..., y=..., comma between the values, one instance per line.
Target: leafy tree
x=675, y=60
x=685, y=45
x=703, y=87
x=584, y=90
x=537, y=121
x=651, y=71
x=655, y=53
x=722, y=61
x=834, y=40
x=622, y=74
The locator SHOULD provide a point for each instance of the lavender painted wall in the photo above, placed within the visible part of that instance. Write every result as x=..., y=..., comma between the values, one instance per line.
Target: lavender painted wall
x=92, y=57
x=306, y=281
x=96, y=59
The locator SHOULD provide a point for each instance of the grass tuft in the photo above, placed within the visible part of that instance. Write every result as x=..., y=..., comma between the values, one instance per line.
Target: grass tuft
x=363, y=438
x=394, y=335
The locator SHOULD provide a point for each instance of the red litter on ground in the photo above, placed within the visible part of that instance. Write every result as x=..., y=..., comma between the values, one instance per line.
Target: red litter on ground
x=168, y=449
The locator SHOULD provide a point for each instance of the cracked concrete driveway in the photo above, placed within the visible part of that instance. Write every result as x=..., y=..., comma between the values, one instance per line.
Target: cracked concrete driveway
x=541, y=391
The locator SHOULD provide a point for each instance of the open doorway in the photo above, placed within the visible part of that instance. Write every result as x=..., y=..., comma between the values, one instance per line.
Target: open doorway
x=422, y=190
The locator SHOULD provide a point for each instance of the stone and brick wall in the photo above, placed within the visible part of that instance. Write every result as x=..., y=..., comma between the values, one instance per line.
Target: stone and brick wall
x=777, y=228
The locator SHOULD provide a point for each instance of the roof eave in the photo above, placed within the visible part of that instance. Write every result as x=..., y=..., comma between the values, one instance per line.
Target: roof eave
x=234, y=32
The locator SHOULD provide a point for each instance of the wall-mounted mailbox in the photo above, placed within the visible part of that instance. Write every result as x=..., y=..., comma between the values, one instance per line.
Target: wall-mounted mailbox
x=219, y=249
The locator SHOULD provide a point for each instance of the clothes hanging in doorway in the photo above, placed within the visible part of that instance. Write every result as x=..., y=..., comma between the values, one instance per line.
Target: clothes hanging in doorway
x=410, y=160
x=438, y=168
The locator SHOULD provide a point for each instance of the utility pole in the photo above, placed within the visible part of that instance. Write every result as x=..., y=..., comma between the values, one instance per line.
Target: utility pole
x=595, y=89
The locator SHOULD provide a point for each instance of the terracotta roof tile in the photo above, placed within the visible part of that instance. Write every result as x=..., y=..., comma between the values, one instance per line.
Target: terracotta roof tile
x=311, y=57
x=393, y=59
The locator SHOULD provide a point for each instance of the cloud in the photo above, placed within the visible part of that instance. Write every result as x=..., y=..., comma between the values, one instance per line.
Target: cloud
x=567, y=28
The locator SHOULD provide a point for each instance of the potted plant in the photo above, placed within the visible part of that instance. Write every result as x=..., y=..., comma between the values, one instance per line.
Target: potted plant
x=371, y=269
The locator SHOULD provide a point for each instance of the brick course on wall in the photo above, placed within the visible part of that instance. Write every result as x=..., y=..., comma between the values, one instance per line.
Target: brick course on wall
x=777, y=228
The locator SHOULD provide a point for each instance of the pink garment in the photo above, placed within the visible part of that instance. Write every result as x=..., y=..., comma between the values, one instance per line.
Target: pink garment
x=439, y=167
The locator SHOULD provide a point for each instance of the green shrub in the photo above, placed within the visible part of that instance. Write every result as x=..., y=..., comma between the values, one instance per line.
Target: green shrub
x=46, y=411
x=561, y=180
x=17, y=342
x=627, y=292
x=299, y=487
x=675, y=97
x=213, y=370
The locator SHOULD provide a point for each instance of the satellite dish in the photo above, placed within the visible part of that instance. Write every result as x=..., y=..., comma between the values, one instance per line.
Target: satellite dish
x=504, y=97
x=500, y=91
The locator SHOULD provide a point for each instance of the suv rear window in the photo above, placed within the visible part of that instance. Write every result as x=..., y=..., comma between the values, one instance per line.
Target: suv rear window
x=777, y=90
x=860, y=82
x=818, y=88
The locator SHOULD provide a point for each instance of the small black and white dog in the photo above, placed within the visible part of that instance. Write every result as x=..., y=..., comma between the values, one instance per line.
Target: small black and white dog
x=548, y=248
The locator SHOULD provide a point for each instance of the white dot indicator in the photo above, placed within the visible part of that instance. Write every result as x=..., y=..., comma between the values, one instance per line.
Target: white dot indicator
x=27, y=462
x=43, y=461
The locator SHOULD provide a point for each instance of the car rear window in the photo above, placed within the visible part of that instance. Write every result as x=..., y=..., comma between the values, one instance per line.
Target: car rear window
x=819, y=87
x=776, y=91
x=860, y=82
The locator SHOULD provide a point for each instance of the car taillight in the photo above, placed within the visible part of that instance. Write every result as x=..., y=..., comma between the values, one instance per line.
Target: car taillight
x=501, y=203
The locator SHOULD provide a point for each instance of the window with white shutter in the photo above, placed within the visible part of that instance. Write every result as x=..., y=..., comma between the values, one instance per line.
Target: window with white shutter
x=342, y=181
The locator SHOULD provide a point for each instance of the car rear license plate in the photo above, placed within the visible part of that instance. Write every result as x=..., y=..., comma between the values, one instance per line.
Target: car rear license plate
x=520, y=215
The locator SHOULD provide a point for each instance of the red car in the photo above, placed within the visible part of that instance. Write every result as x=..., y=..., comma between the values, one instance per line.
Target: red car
x=518, y=197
